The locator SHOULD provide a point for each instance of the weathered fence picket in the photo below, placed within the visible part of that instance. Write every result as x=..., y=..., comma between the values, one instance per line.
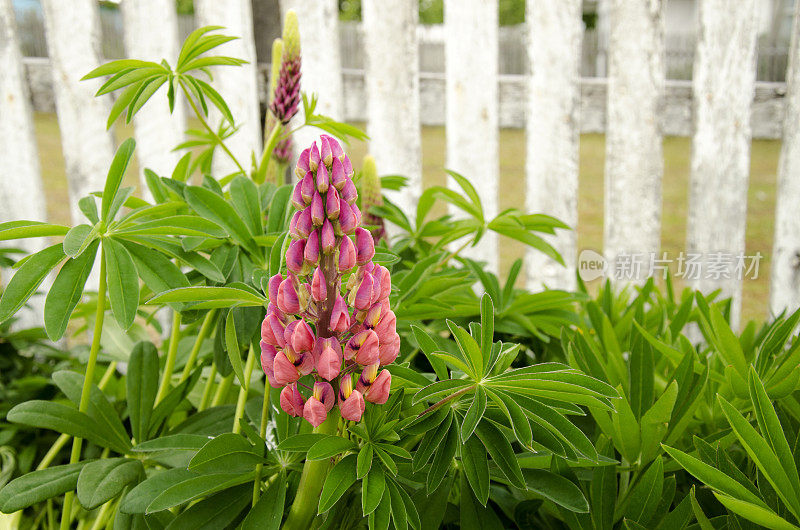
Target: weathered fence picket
x=554, y=44
x=322, y=70
x=634, y=159
x=785, y=278
x=392, y=81
x=151, y=33
x=723, y=85
x=238, y=86
x=73, y=40
x=471, y=123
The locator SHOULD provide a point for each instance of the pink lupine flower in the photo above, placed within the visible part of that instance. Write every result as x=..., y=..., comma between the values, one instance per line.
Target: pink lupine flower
x=292, y=400
x=374, y=386
x=330, y=315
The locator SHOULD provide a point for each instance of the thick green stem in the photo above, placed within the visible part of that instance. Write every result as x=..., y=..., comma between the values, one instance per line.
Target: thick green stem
x=212, y=375
x=269, y=147
x=75, y=455
x=248, y=373
x=201, y=336
x=172, y=352
x=304, y=507
x=222, y=390
x=262, y=432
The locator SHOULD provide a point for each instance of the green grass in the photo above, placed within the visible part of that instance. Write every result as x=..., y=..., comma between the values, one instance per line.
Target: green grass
x=760, y=208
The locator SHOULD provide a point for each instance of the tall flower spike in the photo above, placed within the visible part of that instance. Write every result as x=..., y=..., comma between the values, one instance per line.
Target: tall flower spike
x=287, y=89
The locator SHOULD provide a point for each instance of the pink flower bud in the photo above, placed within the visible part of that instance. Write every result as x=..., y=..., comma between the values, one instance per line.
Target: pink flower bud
x=352, y=407
x=322, y=179
x=272, y=331
x=300, y=228
x=383, y=279
x=288, y=302
x=375, y=388
x=285, y=370
x=336, y=149
x=272, y=309
x=292, y=400
x=313, y=158
x=362, y=347
x=325, y=150
x=361, y=298
x=365, y=246
x=302, y=337
x=302, y=163
x=347, y=219
x=274, y=283
x=332, y=204
x=319, y=286
x=389, y=350
x=268, y=353
x=373, y=316
x=349, y=192
x=294, y=256
x=386, y=328
x=356, y=213
x=347, y=254
x=317, y=210
x=327, y=239
x=314, y=412
x=297, y=196
x=307, y=187
x=311, y=252
x=323, y=398
x=304, y=296
x=348, y=167
x=340, y=318
x=329, y=360
x=338, y=174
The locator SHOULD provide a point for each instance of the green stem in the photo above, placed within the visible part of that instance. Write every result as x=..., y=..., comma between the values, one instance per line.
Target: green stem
x=201, y=336
x=222, y=390
x=102, y=516
x=75, y=455
x=269, y=147
x=209, y=129
x=248, y=373
x=304, y=507
x=262, y=432
x=172, y=352
x=212, y=375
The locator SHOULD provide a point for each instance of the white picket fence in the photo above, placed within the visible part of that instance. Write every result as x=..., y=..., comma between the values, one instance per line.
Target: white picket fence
x=723, y=86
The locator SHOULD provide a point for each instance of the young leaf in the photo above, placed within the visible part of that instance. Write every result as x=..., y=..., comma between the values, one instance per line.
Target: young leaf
x=268, y=511
x=67, y=291
x=474, y=414
x=487, y=330
x=556, y=488
x=372, y=490
x=28, y=278
x=328, y=447
x=232, y=345
x=501, y=451
x=475, y=463
x=39, y=486
x=123, y=283
x=115, y=173
x=339, y=480
x=142, y=386
x=102, y=480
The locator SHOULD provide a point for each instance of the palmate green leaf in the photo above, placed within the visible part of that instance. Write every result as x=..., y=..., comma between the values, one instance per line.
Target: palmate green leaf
x=268, y=511
x=117, y=170
x=441, y=389
x=519, y=421
x=425, y=423
x=430, y=443
x=372, y=490
x=763, y=456
x=147, y=88
x=501, y=451
x=727, y=343
x=102, y=480
x=114, y=67
x=487, y=330
x=38, y=486
x=470, y=350
x=157, y=272
x=140, y=496
x=475, y=464
x=66, y=292
x=300, y=442
x=557, y=424
x=339, y=480
x=214, y=208
x=123, y=282
x=244, y=196
x=474, y=414
x=364, y=460
x=603, y=488
x=175, y=225
x=182, y=442
x=27, y=229
x=654, y=422
x=142, y=385
x=754, y=513
x=224, y=296
x=626, y=430
x=28, y=278
x=193, y=487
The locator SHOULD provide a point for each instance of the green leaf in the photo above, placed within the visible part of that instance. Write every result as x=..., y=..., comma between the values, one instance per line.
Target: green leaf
x=232, y=345
x=443, y=458
x=193, y=487
x=28, y=278
x=115, y=173
x=440, y=389
x=372, y=489
x=214, y=208
x=300, y=442
x=77, y=239
x=226, y=453
x=217, y=511
x=654, y=422
x=268, y=511
x=727, y=343
x=487, y=329
x=27, y=229
x=646, y=494
x=328, y=447
x=142, y=386
x=102, y=480
x=556, y=488
x=225, y=296
x=38, y=486
x=123, y=282
x=473, y=516
x=473, y=415
x=757, y=514
x=469, y=349
x=519, y=421
x=67, y=291
x=156, y=271
x=501, y=451
x=339, y=480
x=364, y=461
x=182, y=442
x=430, y=443
x=244, y=195
x=475, y=463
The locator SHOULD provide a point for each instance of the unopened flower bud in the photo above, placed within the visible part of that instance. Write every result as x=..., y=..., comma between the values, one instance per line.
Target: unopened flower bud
x=347, y=254
x=332, y=208
x=307, y=188
x=336, y=149
x=294, y=255
x=292, y=401
x=338, y=174
x=274, y=283
x=322, y=179
x=303, y=163
x=319, y=286
x=327, y=238
x=365, y=246
x=325, y=150
x=302, y=227
x=340, y=318
x=349, y=192
x=311, y=251
x=288, y=302
x=347, y=220
x=313, y=159
x=298, y=201
x=348, y=167
x=317, y=210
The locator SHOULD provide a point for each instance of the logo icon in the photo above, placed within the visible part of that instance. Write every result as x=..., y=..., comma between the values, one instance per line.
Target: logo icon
x=591, y=265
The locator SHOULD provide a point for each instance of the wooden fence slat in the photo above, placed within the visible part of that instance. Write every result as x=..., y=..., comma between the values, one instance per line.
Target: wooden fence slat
x=634, y=162
x=73, y=44
x=392, y=82
x=723, y=86
x=237, y=85
x=151, y=33
x=21, y=189
x=322, y=71
x=554, y=44
x=785, y=276
x=472, y=110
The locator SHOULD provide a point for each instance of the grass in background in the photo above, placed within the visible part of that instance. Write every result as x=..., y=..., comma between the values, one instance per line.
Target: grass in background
x=760, y=207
